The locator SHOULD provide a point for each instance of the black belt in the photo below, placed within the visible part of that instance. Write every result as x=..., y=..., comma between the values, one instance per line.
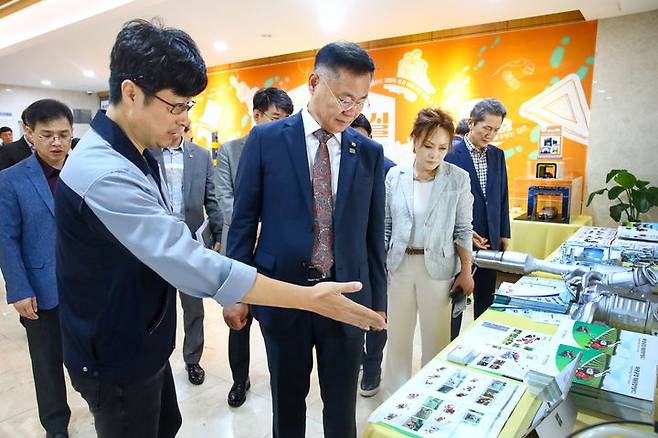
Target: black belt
x=414, y=251
x=314, y=275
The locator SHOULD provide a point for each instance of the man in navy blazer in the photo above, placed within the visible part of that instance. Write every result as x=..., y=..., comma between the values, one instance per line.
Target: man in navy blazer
x=317, y=187
x=485, y=163
x=27, y=254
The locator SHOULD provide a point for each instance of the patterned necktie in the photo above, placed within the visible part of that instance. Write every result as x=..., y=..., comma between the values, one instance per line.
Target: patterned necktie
x=323, y=242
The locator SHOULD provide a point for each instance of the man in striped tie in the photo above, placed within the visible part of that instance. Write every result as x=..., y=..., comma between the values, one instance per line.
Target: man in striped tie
x=318, y=189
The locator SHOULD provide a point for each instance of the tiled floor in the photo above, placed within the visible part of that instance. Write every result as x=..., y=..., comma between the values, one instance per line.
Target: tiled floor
x=204, y=409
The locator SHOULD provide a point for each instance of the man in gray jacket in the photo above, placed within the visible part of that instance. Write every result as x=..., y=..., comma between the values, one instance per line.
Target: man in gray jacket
x=188, y=171
x=270, y=105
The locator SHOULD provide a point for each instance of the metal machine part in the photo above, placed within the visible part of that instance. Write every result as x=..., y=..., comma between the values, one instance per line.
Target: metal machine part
x=615, y=295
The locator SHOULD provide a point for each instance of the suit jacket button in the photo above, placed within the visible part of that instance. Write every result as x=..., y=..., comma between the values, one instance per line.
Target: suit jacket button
x=84, y=369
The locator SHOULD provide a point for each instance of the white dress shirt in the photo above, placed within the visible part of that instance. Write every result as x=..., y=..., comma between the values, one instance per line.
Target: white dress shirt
x=174, y=162
x=312, y=145
x=422, y=192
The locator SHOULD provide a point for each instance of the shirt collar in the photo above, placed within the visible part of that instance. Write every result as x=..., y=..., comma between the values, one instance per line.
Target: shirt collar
x=311, y=125
x=48, y=170
x=179, y=148
x=471, y=147
x=29, y=144
x=119, y=141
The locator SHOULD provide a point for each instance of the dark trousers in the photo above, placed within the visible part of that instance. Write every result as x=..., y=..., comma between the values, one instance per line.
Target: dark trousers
x=290, y=361
x=455, y=326
x=146, y=409
x=44, y=339
x=483, y=294
x=374, y=353
x=238, y=351
x=193, y=328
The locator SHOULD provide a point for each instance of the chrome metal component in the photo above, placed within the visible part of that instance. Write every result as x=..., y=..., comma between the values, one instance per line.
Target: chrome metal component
x=618, y=296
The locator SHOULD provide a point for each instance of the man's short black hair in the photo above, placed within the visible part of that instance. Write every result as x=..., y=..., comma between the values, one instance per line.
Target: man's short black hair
x=344, y=55
x=266, y=97
x=462, y=127
x=361, y=121
x=156, y=58
x=45, y=110
x=6, y=129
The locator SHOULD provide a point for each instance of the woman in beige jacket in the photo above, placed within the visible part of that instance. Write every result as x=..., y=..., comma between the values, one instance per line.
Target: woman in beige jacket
x=428, y=240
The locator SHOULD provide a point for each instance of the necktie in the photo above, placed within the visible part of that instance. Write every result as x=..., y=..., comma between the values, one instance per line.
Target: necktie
x=322, y=256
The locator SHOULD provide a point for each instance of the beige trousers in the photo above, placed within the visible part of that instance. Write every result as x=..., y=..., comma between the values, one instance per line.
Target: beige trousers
x=413, y=293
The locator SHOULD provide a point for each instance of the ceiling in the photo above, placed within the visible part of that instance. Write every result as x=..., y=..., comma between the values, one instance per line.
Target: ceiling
x=57, y=40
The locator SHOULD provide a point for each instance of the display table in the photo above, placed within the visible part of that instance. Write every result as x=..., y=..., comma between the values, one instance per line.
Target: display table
x=522, y=416
x=539, y=239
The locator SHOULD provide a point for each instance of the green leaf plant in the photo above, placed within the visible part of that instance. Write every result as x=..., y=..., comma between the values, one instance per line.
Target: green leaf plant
x=631, y=196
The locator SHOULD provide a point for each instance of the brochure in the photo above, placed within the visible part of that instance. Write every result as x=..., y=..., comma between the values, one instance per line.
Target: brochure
x=443, y=400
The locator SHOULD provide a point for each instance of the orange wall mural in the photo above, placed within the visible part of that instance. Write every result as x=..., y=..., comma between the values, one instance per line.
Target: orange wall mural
x=542, y=75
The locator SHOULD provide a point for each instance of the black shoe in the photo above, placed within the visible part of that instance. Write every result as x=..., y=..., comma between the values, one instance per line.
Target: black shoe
x=369, y=385
x=238, y=394
x=195, y=373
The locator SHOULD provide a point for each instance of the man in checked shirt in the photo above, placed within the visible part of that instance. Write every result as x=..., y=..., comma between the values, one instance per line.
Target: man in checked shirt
x=485, y=163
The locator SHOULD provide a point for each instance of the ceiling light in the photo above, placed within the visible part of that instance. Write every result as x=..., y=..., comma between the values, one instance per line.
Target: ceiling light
x=222, y=46
x=333, y=19
x=8, y=90
x=266, y=35
x=88, y=73
x=46, y=82
x=601, y=91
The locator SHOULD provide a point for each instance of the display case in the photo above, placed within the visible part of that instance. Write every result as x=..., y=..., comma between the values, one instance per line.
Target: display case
x=549, y=200
x=548, y=204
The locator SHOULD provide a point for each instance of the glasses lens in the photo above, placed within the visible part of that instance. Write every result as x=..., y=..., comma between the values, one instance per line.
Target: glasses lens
x=179, y=108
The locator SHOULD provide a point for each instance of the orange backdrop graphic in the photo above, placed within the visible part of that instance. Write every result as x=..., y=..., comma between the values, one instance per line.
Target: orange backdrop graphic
x=542, y=75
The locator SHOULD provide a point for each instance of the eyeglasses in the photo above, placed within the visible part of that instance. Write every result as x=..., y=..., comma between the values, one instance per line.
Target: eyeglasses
x=50, y=138
x=349, y=103
x=176, y=108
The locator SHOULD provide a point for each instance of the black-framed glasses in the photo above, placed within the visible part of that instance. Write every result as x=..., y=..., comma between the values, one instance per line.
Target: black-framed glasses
x=176, y=108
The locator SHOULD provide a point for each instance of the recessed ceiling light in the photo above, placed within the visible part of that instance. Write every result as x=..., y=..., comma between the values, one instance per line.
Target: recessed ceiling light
x=8, y=90
x=88, y=73
x=46, y=82
x=222, y=46
x=332, y=19
x=601, y=91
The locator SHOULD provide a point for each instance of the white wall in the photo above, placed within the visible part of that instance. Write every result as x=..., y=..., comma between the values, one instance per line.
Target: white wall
x=15, y=101
x=624, y=118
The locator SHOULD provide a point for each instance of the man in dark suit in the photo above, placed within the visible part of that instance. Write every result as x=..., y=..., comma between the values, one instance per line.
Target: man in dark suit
x=485, y=163
x=318, y=189
x=373, y=352
x=6, y=135
x=27, y=254
x=270, y=104
x=19, y=150
x=187, y=169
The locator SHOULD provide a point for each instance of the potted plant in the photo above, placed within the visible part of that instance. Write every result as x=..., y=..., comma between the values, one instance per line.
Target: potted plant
x=633, y=196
